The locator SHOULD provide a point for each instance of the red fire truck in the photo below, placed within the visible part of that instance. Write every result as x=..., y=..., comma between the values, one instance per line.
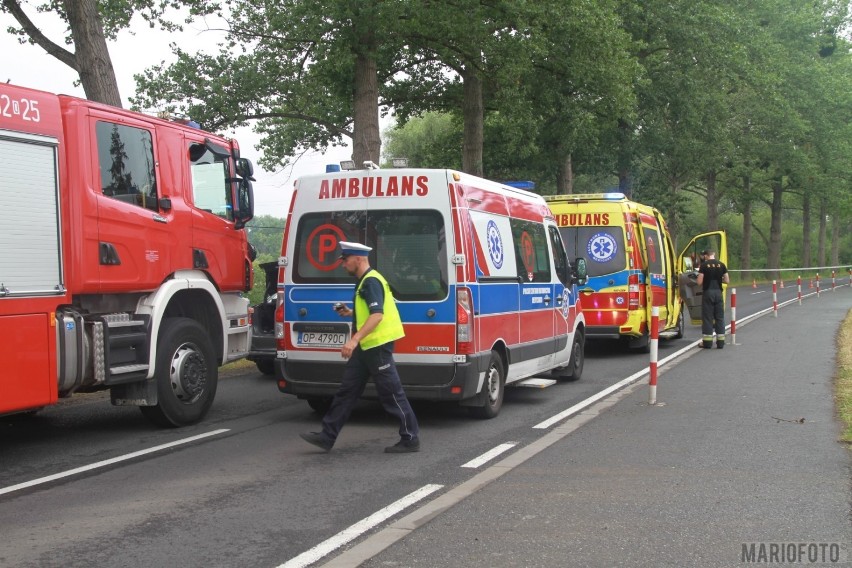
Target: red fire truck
x=122, y=257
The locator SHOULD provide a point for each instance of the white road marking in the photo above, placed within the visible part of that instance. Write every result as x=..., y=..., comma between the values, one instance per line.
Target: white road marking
x=490, y=455
x=595, y=397
x=105, y=463
x=322, y=549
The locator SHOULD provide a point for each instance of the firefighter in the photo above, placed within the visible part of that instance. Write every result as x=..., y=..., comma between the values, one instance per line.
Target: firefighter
x=712, y=274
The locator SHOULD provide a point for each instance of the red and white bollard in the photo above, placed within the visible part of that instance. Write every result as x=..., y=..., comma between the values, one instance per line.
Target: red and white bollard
x=833, y=274
x=817, y=284
x=733, y=316
x=799, y=280
x=774, y=299
x=655, y=339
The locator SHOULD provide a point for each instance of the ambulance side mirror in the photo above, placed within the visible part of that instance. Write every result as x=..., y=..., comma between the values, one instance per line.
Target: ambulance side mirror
x=580, y=271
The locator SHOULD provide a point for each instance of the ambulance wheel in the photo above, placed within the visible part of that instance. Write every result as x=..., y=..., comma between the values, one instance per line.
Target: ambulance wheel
x=319, y=404
x=681, y=324
x=186, y=373
x=641, y=344
x=574, y=370
x=492, y=390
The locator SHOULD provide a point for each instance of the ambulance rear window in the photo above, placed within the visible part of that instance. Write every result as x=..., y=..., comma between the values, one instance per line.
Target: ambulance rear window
x=409, y=249
x=602, y=247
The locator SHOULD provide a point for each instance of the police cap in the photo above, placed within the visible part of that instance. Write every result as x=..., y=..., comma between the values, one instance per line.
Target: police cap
x=353, y=249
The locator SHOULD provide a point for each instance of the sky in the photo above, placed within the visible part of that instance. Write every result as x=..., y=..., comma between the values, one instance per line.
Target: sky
x=29, y=66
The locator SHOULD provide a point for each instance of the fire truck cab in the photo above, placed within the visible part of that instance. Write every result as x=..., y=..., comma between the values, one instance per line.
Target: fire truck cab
x=122, y=256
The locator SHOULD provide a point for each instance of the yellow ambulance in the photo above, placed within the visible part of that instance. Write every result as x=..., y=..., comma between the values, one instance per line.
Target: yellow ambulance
x=631, y=266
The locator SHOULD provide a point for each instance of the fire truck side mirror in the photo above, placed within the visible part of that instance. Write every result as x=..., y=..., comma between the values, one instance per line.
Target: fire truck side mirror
x=245, y=169
x=244, y=211
x=165, y=203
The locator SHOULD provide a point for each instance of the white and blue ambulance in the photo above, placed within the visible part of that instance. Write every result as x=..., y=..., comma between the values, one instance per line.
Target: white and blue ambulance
x=486, y=292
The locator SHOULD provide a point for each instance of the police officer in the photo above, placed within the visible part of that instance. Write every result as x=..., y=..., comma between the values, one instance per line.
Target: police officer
x=369, y=353
x=711, y=275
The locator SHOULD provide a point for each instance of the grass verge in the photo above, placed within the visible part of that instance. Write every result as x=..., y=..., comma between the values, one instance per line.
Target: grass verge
x=236, y=367
x=843, y=384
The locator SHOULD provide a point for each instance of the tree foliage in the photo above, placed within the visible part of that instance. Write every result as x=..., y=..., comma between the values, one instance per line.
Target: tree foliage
x=90, y=23
x=741, y=109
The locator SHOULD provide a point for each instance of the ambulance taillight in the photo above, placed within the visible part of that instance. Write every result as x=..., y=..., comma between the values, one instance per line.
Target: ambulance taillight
x=279, y=303
x=279, y=322
x=633, y=292
x=464, y=322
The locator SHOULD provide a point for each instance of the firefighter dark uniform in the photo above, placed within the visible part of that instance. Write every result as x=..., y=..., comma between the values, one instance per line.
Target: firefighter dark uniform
x=713, y=302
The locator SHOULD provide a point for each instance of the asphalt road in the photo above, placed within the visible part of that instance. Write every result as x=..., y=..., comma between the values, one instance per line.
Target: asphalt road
x=739, y=456
x=249, y=492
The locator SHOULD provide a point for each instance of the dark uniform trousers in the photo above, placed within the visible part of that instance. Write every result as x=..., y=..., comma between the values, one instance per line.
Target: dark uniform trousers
x=377, y=363
x=713, y=316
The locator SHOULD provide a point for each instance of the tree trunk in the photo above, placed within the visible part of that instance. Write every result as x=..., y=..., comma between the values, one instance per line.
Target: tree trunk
x=745, y=254
x=625, y=181
x=473, y=112
x=366, y=137
x=565, y=177
x=671, y=215
x=712, y=202
x=823, y=213
x=745, y=251
x=806, y=230
x=835, y=240
x=774, y=260
x=92, y=56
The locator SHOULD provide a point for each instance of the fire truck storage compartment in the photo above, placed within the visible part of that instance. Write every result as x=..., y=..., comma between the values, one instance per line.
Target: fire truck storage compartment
x=30, y=257
x=30, y=264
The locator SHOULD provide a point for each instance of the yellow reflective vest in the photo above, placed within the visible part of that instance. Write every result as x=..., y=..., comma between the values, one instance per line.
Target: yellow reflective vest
x=390, y=328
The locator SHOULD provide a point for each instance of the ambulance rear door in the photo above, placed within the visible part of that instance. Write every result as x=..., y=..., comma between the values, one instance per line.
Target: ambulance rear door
x=658, y=253
x=404, y=216
x=597, y=231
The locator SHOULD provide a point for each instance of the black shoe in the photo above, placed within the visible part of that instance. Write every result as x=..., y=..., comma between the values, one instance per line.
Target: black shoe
x=404, y=447
x=317, y=439
x=720, y=345
x=705, y=345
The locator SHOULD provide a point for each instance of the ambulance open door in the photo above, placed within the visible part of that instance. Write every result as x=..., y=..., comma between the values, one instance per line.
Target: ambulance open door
x=687, y=269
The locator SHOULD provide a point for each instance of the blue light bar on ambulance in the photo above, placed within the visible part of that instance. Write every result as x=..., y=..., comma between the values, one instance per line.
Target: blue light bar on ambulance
x=331, y=168
x=528, y=185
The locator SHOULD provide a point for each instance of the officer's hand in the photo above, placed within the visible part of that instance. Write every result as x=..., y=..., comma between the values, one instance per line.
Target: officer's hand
x=348, y=348
x=342, y=310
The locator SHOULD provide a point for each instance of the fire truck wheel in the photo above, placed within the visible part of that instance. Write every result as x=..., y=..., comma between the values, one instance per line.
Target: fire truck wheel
x=495, y=385
x=681, y=324
x=186, y=374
